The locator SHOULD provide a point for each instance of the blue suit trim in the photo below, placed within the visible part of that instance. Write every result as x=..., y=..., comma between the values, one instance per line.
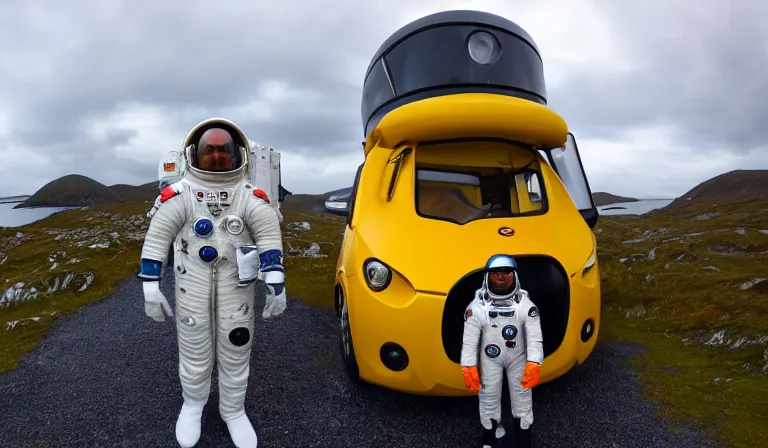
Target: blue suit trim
x=150, y=269
x=271, y=260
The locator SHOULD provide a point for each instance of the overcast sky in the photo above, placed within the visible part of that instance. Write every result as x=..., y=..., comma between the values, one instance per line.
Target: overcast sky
x=661, y=94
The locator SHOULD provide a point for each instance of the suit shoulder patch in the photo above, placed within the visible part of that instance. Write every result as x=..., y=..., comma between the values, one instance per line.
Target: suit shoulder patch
x=261, y=194
x=533, y=311
x=167, y=193
x=468, y=313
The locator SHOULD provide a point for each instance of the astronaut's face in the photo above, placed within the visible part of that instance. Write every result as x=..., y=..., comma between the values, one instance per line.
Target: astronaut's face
x=216, y=151
x=501, y=281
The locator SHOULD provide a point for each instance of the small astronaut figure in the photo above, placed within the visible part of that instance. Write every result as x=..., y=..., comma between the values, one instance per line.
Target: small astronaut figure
x=503, y=323
x=223, y=235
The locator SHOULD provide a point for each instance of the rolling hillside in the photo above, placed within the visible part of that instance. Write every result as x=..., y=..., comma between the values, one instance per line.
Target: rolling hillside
x=72, y=190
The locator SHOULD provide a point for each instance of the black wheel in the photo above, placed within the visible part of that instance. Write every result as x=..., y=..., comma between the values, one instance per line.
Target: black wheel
x=347, y=349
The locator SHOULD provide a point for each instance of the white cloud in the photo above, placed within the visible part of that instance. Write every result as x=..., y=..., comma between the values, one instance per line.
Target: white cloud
x=651, y=162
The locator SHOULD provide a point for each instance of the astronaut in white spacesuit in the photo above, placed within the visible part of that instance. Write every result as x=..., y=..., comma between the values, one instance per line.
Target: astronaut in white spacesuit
x=503, y=322
x=223, y=234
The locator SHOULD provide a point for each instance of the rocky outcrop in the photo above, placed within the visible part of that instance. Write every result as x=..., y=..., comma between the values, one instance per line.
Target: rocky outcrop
x=708, y=251
x=296, y=243
x=67, y=281
x=60, y=270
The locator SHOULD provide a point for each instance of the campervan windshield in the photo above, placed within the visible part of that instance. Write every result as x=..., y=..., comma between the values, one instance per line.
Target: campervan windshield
x=466, y=196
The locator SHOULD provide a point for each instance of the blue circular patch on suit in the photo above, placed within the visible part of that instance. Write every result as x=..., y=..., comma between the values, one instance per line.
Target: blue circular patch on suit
x=509, y=332
x=492, y=350
x=203, y=226
x=208, y=253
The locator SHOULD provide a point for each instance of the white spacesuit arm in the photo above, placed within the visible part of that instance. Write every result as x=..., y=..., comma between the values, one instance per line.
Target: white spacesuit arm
x=534, y=341
x=471, y=338
x=268, y=238
x=163, y=228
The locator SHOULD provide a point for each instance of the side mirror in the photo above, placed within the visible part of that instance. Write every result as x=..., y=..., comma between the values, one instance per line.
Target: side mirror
x=338, y=204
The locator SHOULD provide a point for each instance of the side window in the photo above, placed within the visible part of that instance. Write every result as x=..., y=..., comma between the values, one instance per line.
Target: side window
x=544, y=157
x=353, y=195
x=529, y=191
x=567, y=164
x=450, y=196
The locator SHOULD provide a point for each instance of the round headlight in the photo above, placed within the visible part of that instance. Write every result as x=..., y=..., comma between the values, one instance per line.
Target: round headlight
x=484, y=48
x=377, y=275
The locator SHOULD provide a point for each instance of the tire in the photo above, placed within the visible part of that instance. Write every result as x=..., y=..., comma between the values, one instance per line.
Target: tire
x=348, y=360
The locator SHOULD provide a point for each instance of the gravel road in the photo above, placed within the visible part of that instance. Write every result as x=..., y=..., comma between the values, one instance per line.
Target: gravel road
x=107, y=376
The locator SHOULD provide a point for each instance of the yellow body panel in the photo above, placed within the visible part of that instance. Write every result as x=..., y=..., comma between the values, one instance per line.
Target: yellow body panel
x=429, y=256
x=470, y=114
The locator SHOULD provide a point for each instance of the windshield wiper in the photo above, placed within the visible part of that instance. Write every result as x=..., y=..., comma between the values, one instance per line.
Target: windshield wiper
x=397, y=160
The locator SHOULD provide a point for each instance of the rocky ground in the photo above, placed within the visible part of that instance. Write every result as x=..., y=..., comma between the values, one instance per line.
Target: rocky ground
x=690, y=284
x=66, y=250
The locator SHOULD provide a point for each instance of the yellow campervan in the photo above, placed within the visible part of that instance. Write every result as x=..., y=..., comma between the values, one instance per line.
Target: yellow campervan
x=463, y=160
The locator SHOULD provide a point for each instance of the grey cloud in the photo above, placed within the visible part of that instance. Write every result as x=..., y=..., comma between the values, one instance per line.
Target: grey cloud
x=66, y=63
x=705, y=73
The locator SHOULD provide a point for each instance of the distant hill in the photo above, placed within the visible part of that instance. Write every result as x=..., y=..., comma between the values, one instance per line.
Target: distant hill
x=76, y=190
x=602, y=198
x=145, y=192
x=731, y=188
x=737, y=184
x=307, y=203
x=72, y=190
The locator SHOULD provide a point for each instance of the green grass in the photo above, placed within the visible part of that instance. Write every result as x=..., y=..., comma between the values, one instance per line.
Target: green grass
x=28, y=261
x=676, y=303
x=312, y=279
x=671, y=304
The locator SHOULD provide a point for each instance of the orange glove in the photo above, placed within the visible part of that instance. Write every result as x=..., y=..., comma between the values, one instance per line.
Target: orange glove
x=531, y=375
x=471, y=378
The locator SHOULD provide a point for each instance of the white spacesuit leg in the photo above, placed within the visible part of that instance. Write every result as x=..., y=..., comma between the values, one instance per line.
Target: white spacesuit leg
x=521, y=399
x=235, y=309
x=521, y=403
x=195, y=356
x=192, y=311
x=491, y=376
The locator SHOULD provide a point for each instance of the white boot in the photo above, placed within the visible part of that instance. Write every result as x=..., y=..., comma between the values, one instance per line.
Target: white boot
x=188, y=424
x=241, y=431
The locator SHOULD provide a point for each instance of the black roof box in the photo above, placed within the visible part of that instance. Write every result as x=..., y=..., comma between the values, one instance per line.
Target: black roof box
x=431, y=57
